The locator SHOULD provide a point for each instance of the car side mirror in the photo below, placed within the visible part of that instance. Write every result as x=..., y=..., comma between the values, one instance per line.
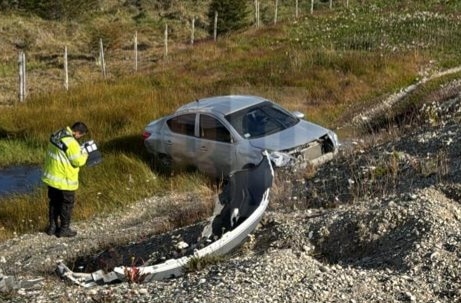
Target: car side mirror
x=298, y=115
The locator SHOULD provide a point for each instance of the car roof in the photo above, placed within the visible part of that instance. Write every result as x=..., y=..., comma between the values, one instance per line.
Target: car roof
x=222, y=104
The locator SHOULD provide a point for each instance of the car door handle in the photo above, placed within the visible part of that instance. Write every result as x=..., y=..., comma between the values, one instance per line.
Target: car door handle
x=204, y=148
x=168, y=142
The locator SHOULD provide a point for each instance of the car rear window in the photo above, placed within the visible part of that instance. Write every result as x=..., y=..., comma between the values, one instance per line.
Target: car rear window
x=183, y=124
x=213, y=129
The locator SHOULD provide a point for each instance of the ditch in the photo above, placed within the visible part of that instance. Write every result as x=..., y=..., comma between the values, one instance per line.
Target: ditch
x=19, y=179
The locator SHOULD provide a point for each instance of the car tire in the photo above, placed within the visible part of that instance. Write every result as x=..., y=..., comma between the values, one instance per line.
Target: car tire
x=163, y=164
x=248, y=166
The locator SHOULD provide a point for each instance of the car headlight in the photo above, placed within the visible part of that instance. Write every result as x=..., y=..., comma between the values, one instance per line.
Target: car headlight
x=279, y=159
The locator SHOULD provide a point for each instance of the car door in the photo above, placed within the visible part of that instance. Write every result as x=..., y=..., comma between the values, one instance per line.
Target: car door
x=215, y=151
x=179, y=141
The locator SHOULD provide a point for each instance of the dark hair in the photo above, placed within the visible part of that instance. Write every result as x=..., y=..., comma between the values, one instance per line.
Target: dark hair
x=80, y=127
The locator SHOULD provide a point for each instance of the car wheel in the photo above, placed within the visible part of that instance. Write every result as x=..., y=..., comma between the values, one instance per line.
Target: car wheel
x=248, y=166
x=163, y=164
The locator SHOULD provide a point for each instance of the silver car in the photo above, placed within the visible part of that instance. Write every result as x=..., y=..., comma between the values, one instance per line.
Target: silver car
x=219, y=135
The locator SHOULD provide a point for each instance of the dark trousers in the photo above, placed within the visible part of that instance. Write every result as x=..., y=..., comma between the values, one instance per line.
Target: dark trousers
x=61, y=204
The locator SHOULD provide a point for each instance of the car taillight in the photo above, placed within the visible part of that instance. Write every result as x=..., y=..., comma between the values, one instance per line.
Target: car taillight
x=145, y=135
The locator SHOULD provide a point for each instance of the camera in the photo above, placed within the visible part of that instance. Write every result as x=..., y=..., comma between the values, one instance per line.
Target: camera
x=94, y=155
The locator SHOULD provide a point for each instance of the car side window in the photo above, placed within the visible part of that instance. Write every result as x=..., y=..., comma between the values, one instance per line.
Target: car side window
x=184, y=124
x=213, y=129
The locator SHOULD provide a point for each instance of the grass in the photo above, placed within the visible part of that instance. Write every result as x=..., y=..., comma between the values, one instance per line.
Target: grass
x=329, y=65
x=199, y=263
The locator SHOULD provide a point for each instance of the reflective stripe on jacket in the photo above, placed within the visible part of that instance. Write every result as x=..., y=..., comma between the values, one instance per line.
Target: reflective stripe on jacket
x=62, y=165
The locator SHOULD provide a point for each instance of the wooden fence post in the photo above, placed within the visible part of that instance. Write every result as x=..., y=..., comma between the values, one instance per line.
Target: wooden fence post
x=312, y=7
x=24, y=71
x=331, y=4
x=215, y=30
x=66, y=70
x=101, y=58
x=296, y=9
x=192, y=34
x=136, y=51
x=276, y=11
x=166, y=40
x=22, y=76
x=257, y=13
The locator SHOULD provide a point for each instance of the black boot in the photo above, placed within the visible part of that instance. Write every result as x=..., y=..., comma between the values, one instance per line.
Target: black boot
x=51, y=230
x=65, y=230
x=53, y=220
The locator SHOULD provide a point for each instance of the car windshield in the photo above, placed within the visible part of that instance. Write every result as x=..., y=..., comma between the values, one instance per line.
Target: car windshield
x=261, y=120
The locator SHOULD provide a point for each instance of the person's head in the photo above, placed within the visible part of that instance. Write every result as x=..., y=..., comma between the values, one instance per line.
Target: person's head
x=79, y=129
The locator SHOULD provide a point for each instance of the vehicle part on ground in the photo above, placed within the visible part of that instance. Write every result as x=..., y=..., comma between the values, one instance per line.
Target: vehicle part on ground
x=239, y=208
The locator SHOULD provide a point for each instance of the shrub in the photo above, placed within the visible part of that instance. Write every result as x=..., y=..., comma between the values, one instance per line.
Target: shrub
x=232, y=15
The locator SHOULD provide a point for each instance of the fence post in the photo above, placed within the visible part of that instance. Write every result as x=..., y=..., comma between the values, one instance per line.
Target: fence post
x=192, y=34
x=331, y=4
x=215, y=30
x=66, y=71
x=276, y=11
x=24, y=71
x=22, y=76
x=101, y=58
x=136, y=51
x=312, y=7
x=166, y=40
x=257, y=13
x=296, y=9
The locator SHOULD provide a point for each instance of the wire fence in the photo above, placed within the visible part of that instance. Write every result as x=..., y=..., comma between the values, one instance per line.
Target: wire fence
x=346, y=31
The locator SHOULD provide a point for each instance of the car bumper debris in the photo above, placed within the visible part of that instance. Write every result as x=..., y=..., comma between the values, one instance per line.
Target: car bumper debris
x=239, y=208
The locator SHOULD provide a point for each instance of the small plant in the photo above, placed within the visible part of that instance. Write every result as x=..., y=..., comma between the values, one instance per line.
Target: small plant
x=380, y=171
x=429, y=113
x=309, y=171
x=133, y=273
x=434, y=165
x=199, y=263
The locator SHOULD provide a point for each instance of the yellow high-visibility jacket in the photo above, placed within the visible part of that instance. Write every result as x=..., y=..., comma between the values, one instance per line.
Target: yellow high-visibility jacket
x=63, y=160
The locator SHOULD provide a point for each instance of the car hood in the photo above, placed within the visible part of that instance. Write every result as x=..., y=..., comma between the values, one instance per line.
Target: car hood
x=302, y=133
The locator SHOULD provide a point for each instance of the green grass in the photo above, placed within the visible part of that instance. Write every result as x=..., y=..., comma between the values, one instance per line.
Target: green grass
x=199, y=263
x=19, y=152
x=7, y=69
x=328, y=65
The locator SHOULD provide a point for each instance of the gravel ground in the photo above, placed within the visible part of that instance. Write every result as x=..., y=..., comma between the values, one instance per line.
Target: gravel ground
x=380, y=223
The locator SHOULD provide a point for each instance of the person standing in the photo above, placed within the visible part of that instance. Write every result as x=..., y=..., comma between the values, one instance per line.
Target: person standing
x=63, y=160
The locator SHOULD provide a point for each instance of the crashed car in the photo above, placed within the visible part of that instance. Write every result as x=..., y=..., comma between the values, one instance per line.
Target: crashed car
x=222, y=134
